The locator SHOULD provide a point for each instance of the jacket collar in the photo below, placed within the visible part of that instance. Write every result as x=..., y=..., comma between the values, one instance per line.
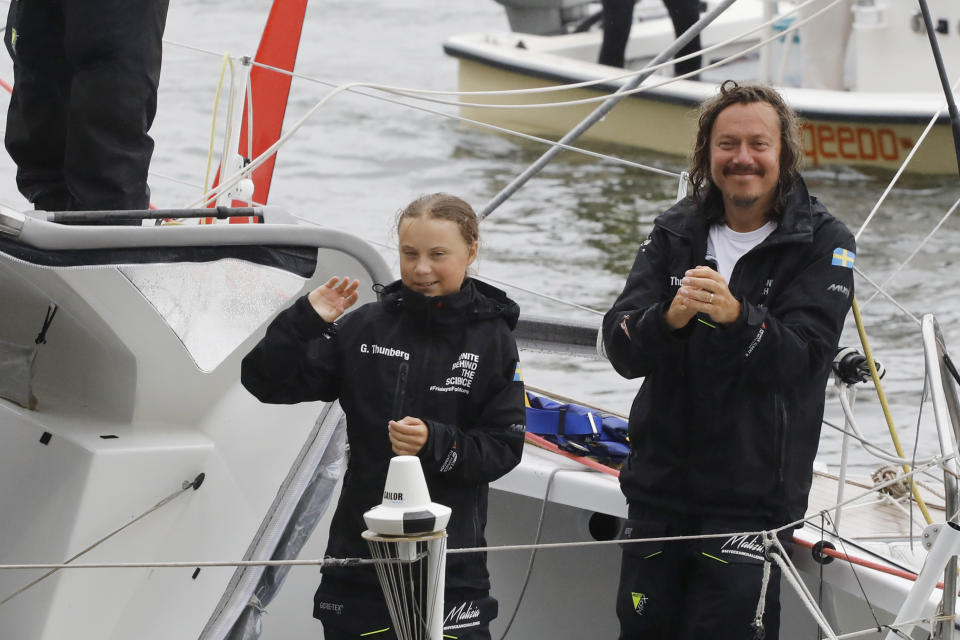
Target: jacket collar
x=474, y=301
x=685, y=219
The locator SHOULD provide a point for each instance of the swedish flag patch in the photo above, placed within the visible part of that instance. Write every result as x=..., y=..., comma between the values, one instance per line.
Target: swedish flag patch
x=843, y=258
x=518, y=374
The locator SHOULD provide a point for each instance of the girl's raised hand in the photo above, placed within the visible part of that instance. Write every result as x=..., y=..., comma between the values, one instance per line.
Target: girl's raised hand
x=408, y=436
x=334, y=297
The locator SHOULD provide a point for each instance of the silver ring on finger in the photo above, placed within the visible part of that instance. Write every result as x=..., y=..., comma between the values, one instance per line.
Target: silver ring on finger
x=710, y=301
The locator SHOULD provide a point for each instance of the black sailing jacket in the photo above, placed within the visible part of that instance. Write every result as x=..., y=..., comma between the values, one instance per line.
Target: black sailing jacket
x=450, y=361
x=727, y=421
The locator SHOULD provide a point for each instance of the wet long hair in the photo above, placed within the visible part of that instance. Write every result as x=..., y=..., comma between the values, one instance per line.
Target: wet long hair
x=791, y=146
x=444, y=206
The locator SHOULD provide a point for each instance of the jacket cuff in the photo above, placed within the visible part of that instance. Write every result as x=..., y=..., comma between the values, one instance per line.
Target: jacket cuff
x=742, y=319
x=308, y=320
x=664, y=329
x=440, y=452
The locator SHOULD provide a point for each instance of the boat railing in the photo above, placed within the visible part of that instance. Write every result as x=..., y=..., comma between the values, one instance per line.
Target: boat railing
x=942, y=540
x=38, y=230
x=941, y=376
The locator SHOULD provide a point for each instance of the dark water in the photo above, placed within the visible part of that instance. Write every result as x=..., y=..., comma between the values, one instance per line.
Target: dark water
x=571, y=233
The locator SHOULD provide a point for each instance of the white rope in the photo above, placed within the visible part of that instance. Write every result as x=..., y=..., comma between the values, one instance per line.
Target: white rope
x=348, y=562
x=898, y=504
x=317, y=562
x=936, y=462
x=886, y=295
x=764, y=583
x=479, y=276
x=912, y=255
x=788, y=571
x=53, y=568
x=229, y=182
x=488, y=549
x=626, y=75
x=169, y=178
x=638, y=90
x=870, y=447
x=906, y=161
x=540, y=294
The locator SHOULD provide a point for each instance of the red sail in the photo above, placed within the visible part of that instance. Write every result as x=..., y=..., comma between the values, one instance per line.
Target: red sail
x=270, y=89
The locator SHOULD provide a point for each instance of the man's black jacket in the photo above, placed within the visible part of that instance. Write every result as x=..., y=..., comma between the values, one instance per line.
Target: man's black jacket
x=727, y=421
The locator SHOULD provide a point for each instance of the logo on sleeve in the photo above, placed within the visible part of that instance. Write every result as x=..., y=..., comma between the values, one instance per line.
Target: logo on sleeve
x=843, y=258
x=450, y=461
x=839, y=288
x=756, y=340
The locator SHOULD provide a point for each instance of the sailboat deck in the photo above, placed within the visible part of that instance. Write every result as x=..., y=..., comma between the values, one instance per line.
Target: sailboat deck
x=871, y=515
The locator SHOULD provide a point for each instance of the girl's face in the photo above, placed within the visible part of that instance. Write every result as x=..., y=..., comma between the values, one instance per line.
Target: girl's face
x=433, y=255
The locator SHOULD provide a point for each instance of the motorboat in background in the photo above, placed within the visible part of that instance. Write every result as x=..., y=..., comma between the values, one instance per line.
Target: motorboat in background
x=892, y=96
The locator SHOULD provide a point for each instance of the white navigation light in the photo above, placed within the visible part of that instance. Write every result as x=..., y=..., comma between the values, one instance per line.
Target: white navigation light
x=406, y=508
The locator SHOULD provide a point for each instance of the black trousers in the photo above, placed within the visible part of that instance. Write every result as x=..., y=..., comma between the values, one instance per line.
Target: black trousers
x=618, y=18
x=85, y=94
x=689, y=590
x=353, y=611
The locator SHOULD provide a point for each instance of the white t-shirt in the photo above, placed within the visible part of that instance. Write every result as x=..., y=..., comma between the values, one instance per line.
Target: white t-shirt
x=726, y=246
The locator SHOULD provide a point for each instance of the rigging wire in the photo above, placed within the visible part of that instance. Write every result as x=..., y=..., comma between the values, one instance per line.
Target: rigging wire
x=53, y=568
x=229, y=182
x=903, y=167
x=882, y=397
x=871, y=447
x=545, y=141
x=606, y=80
x=598, y=113
x=886, y=295
x=914, y=253
x=852, y=566
x=213, y=123
x=648, y=70
x=533, y=553
x=594, y=311
x=786, y=568
x=481, y=276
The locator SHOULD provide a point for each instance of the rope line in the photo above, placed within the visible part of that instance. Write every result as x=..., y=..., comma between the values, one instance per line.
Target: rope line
x=606, y=80
x=419, y=95
x=53, y=568
x=213, y=124
x=882, y=397
x=886, y=295
x=851, y=565
x=229, y=182
x=914, y=253
x=484, y=277
x=906, y=161
x=318, y=562
x=533, y=553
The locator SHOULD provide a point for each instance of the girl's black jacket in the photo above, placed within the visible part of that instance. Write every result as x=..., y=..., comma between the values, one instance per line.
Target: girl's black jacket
x=450, y=361
x=727, y=421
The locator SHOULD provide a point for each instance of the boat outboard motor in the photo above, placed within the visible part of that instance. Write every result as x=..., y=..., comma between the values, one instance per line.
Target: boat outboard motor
x=545, y=17
x=851, y=367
